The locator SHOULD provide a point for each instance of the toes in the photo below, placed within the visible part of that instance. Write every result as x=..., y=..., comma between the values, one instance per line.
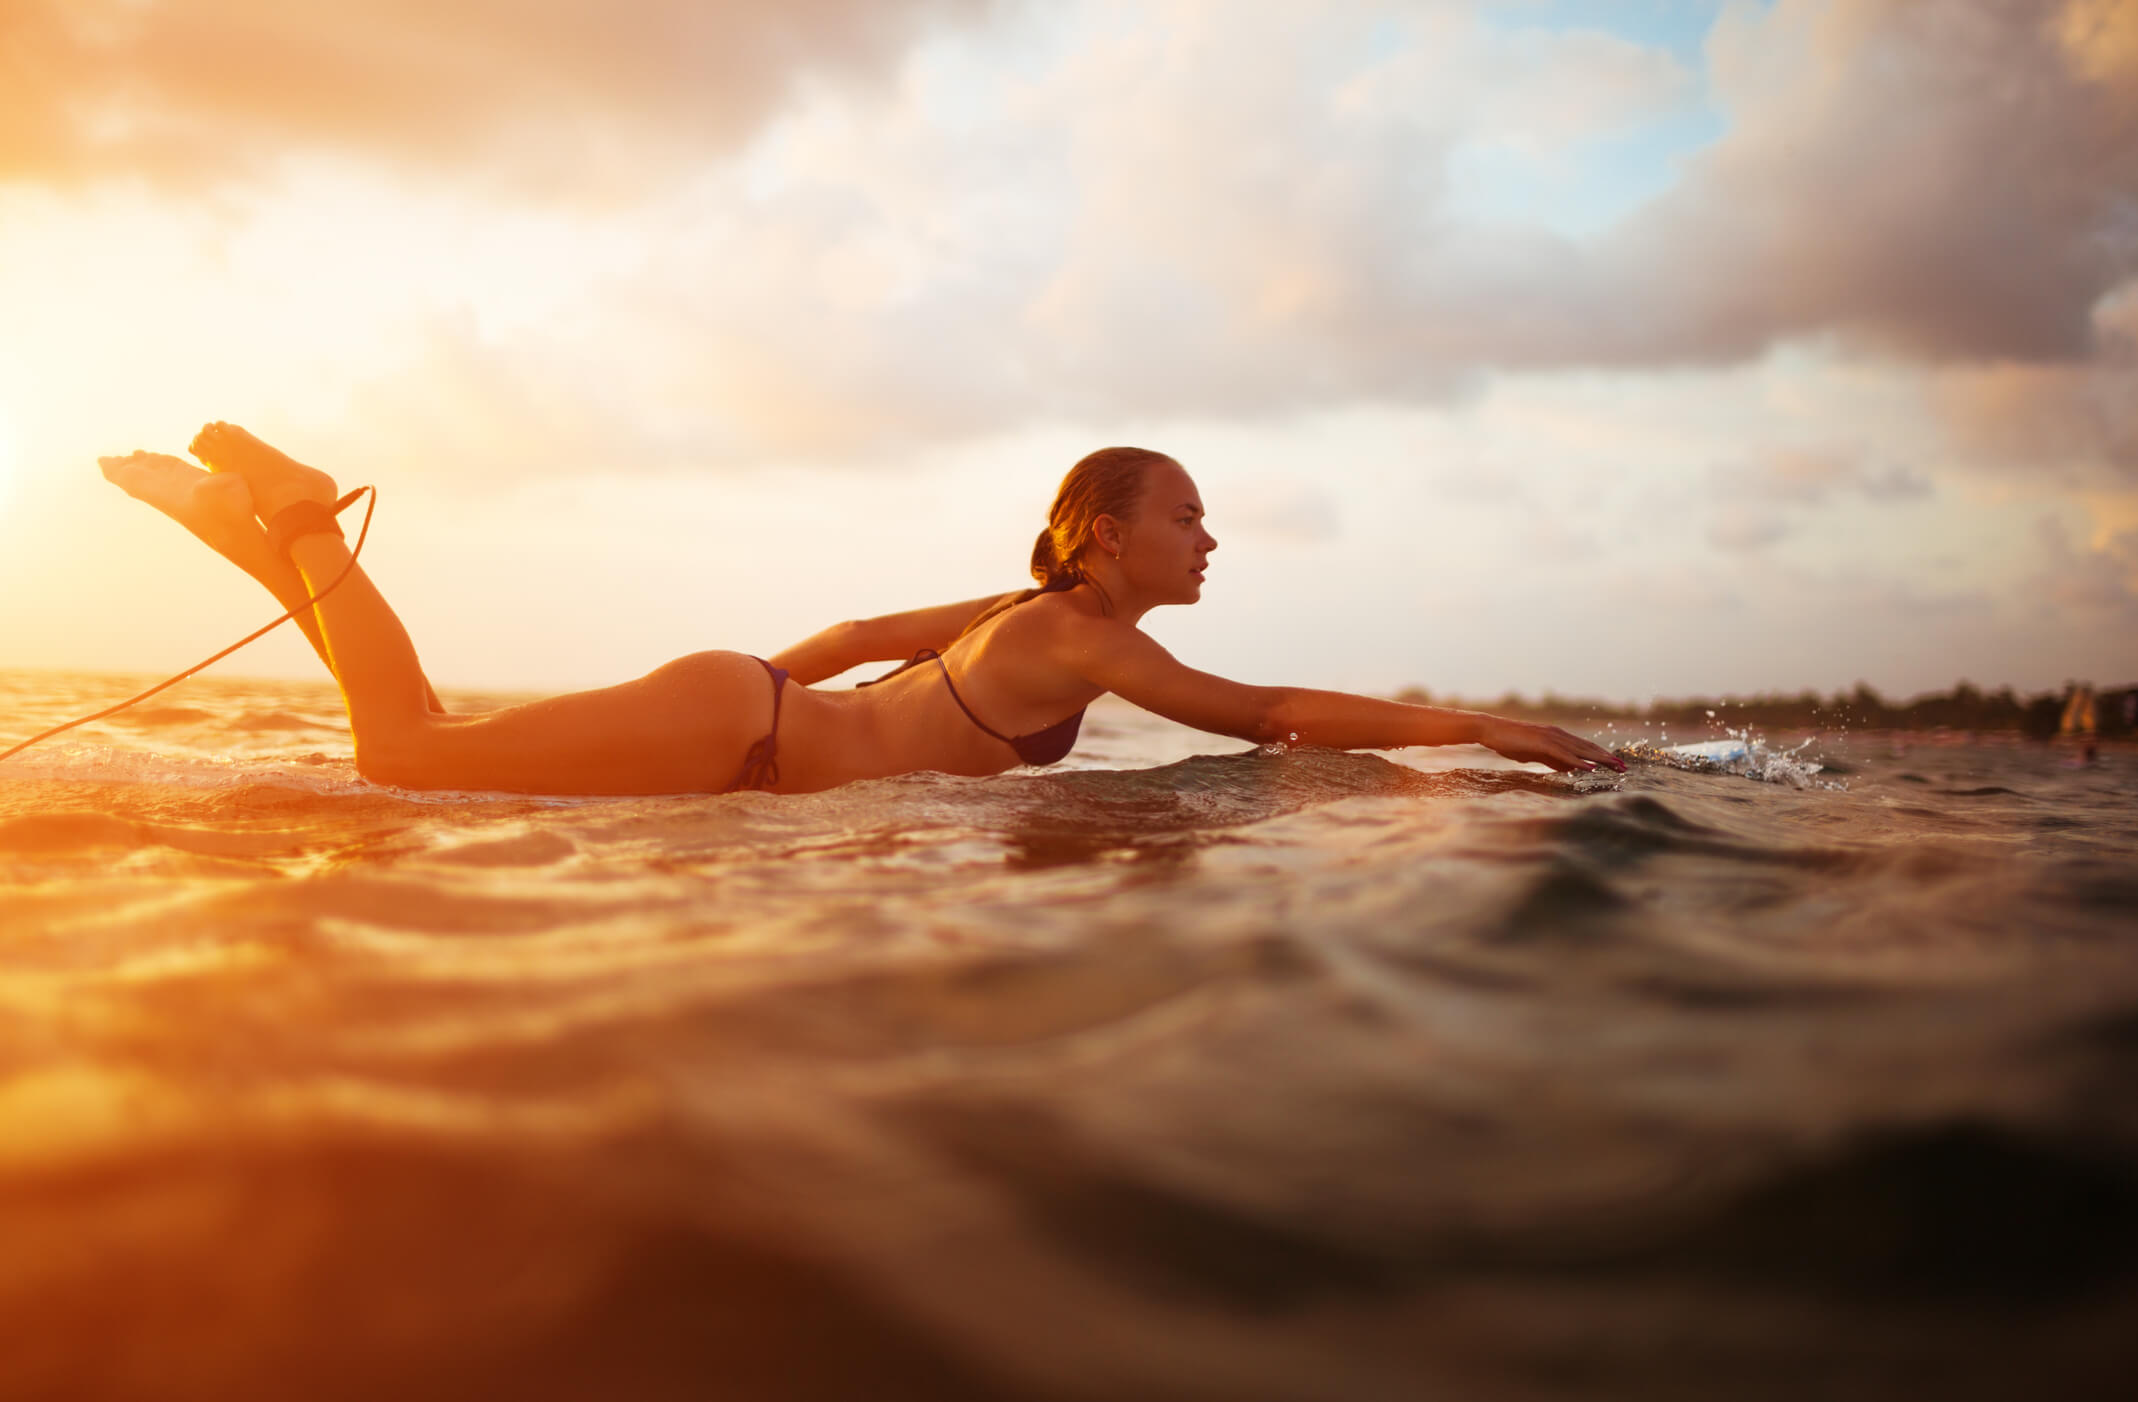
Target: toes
x=114, y=465
x=228, y=439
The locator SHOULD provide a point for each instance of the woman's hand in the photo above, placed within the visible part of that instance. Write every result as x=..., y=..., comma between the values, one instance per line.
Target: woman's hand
x=1546, y=744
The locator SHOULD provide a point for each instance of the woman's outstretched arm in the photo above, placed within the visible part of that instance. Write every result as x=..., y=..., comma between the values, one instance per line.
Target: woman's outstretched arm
x=893, y=637
x=1128, y=663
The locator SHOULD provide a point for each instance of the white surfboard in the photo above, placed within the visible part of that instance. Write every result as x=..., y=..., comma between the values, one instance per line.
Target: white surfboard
x=1713, y=751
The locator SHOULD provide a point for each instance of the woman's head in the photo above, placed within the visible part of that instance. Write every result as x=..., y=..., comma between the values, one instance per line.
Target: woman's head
x=1110, y=483
x=1139, y=510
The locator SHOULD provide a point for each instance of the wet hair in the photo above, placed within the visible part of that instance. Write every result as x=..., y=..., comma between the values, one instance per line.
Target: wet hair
x=1108, y=482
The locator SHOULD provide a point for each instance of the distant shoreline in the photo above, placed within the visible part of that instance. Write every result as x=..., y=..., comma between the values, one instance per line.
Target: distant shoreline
x=1964, y=707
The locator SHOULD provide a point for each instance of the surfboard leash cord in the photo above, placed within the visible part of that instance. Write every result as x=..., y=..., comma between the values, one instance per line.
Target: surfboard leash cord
x=344, y=503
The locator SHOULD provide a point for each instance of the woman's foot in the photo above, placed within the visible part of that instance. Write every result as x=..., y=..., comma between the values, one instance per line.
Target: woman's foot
x=276, y=479
x=218, y=509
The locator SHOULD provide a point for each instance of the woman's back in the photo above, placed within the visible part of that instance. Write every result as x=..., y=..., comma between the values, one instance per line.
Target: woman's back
x=963, y=710
x=1010, y=671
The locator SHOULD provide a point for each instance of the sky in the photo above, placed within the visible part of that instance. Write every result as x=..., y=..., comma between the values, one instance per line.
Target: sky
x=1637, y=349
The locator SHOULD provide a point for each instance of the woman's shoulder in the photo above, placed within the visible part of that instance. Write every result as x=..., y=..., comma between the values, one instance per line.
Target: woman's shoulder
x=1062, y=624
x=1078, y=639
x=1063, y=611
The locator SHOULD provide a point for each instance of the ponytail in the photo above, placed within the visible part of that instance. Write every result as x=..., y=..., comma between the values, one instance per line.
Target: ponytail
x=1048, y=568
x=1108, y=482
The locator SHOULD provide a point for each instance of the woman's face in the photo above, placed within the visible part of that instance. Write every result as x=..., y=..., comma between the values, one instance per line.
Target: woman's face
x=1165, y=549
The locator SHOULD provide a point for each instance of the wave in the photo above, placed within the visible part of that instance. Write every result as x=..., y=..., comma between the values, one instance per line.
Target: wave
x=1631, y=828
x=1166, y=811
x=87, y=762
x=1160, y=1238
x=82, y=833
x=268, y=722
x=153, y=716
x=1964, y=1210
x=1031, y=818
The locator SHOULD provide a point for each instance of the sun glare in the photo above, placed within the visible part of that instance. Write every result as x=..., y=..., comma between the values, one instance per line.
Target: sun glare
x=7, y=456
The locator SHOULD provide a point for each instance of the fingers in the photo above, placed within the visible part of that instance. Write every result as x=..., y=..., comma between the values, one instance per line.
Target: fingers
x=1583, y=755
x=1562, y=750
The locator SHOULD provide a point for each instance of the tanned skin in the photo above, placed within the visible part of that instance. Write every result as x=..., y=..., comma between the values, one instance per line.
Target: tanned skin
x=685, y=727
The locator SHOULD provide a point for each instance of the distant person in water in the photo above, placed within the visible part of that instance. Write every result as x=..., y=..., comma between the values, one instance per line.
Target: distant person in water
x=2082, y=720
x=987, y=683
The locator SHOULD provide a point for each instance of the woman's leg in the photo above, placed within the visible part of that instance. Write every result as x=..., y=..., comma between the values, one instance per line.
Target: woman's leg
x=217, y=508
x=682, y=728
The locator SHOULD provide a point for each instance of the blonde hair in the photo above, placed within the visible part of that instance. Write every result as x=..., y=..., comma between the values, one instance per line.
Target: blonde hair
x=1108, y=482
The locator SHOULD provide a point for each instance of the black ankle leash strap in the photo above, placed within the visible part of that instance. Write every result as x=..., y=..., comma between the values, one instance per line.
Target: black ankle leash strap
x=308, y=523
x=302, y=519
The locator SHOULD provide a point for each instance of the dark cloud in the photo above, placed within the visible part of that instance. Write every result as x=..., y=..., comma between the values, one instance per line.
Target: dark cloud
x=563, y=95
x=1938, y=180
x=2074, y=423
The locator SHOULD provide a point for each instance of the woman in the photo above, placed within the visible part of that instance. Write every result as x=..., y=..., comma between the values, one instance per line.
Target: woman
x=989, y=683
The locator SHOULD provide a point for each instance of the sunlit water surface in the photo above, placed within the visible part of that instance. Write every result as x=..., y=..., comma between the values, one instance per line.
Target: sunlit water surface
x=1177, y=1071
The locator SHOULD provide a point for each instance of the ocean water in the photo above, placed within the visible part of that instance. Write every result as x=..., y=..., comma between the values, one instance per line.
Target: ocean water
x=1182, y=1070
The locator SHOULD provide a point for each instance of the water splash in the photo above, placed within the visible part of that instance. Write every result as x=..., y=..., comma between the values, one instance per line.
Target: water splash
x=1742, y=753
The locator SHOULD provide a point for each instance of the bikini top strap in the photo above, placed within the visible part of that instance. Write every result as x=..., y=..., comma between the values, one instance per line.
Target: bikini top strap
x=901, y=669
x=928, y=652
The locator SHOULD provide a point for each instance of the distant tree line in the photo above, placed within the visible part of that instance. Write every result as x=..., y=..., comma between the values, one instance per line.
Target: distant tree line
x=1965, y=707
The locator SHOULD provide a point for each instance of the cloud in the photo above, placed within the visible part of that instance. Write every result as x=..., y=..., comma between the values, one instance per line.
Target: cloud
x=2074, y=423
x=1809, y=476
x=1283, y=509
x=2100, y=38
x=1197, y=210
x=1133, y=211
x=1762, y=501
x=2095, y=584
x=1740, y=526
x=564, y=96
x=1262, y=212
x=1936, y=181
x=1119, y=211
x=484, y=413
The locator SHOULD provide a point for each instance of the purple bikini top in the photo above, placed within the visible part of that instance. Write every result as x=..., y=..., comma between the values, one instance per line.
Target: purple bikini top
x=1040, y=747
